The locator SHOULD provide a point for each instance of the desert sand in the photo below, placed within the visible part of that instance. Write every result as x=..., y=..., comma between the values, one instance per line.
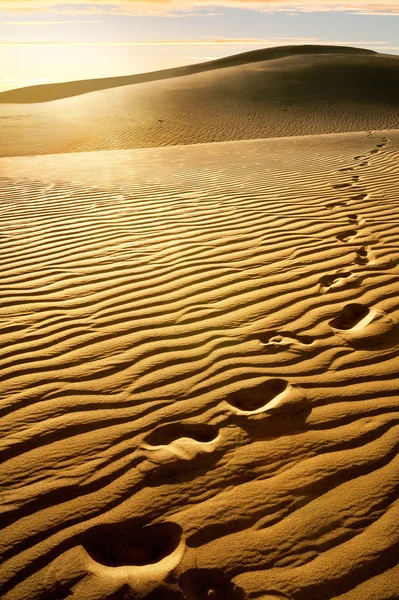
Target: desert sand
x=278, y=92
x=199, y=359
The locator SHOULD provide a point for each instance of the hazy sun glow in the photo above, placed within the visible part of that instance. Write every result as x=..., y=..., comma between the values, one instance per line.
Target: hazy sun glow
x=45, y=40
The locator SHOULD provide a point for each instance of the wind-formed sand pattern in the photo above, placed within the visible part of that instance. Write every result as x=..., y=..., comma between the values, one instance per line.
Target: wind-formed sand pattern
x=199, y=353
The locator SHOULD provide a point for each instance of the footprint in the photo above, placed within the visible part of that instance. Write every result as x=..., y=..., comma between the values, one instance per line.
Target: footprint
x=335, y=204
x=181, y=441
x=353, y=219
x=276, y=338
x=120, y=545
x=166, y=434
x=273, y=396
x=356, y=178
x=359, y=196
x=362, y=256
x=345, y=236
x=364, y=164
x=209, y=584
x=374, y=151
x=334, y=280
x=340, y=186
x=345, y=169
x=350, y=316
x=365, y=329
x=380, y=145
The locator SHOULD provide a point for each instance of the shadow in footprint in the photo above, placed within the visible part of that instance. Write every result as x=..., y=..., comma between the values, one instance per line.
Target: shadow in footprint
x=341, y=186
x=350, y=315
x=335, y=204
x=280, y=337
x=366, y=329
x=257, y=397
x=119, y=545
x=328, y=281
x=166, y=434
x=345, y=236
x=209, y=584
x=359, y=197
x=362, y=256
x=268, y=400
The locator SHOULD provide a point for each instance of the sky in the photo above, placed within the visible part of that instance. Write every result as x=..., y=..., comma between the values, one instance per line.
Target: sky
x=44, y=41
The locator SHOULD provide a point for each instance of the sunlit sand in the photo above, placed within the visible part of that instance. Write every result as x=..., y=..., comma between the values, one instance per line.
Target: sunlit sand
x=199, y=359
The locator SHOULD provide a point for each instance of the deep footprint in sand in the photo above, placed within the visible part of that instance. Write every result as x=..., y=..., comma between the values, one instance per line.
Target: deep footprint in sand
x=184, y=441
x=341, y=186
x=362, y=196
x=346, y=236
x=276, y=338
x=335, y=204
x=273, y=396
x=362, y=256
x=334, y=280
x=350, y=316
x=121, y=545
x=166, y=434
x=354, y=219
x=364, y=328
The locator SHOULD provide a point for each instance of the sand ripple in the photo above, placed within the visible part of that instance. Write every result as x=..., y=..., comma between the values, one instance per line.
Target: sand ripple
x=199, y=352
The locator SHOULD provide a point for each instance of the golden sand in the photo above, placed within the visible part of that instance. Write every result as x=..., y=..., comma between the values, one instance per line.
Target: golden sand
x=199, y=353
x=275, y=92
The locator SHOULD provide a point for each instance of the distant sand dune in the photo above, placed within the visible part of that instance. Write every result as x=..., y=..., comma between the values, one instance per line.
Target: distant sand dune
x=55, y=91
x=276, y=92
x=198, y=363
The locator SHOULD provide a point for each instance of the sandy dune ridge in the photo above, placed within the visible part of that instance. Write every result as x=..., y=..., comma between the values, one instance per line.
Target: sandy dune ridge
x=274, y=92
x=199, y=361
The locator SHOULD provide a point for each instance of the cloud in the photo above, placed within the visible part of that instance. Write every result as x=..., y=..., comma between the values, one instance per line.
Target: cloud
x=170, y=7
x=210, y=41
x=47, y=22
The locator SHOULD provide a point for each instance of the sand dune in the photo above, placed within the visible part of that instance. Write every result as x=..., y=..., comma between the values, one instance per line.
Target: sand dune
x=200, y=346
x=277, y=92
x=55, y=91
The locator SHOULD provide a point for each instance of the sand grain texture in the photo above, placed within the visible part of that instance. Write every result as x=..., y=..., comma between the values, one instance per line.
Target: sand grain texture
x=199, y=359
x=274, y=92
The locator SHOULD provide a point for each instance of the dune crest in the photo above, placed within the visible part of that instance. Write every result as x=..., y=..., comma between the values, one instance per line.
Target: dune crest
x=274, y=92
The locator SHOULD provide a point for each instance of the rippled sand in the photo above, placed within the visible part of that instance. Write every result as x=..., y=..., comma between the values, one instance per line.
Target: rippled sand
x=199, y=353
x=274, y=92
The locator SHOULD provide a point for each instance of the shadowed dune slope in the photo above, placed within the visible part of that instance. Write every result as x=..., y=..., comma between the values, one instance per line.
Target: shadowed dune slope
x=267, y=93
x=55, y=91
x=199, y=364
